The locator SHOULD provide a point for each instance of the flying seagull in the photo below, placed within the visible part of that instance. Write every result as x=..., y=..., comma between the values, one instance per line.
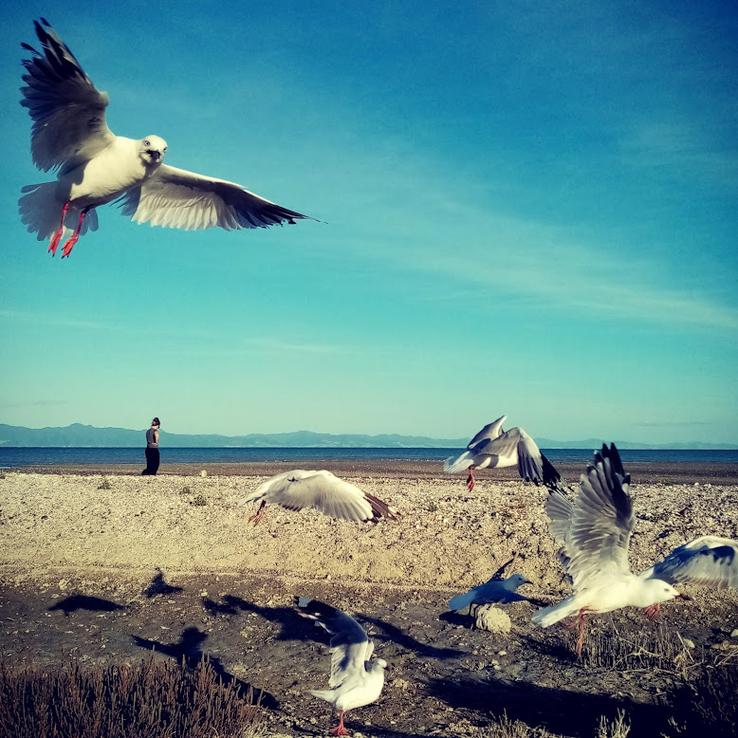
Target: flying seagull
x=495, y=589
x=594, y=531
x=96, y=167
x=322, y=490
x=494, y=447
x=355, y=680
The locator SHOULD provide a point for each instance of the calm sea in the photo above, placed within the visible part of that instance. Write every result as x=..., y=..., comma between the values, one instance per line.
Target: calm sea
x=20, y=457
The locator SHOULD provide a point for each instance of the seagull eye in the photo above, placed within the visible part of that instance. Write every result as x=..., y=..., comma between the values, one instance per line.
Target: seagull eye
x=147, y=143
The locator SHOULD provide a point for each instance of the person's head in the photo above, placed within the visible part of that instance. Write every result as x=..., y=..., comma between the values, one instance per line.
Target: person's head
x=156, y=422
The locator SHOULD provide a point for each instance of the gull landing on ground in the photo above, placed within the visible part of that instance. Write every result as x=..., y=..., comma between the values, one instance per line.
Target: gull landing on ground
x=495, y=589
x=96, y=167
x=321, y=490
x=494, y=447
x=356, y=679
x=594, y=530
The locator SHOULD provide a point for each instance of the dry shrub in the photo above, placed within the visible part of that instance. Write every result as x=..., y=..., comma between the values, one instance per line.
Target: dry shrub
x=636, y=649
x=706, y=704
x=198, y=501
x=504, y=727
x=150, y=700
x=105, y=484
x=617, y=728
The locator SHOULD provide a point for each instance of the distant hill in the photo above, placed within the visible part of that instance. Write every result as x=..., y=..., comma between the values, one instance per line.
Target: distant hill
x=79, y=435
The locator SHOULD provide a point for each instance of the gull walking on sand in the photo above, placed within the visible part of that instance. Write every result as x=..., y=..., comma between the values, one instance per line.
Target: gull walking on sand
x=594, y=531
x=96, y=167
x=494, y=447
x=355, y=679
x=321, y=490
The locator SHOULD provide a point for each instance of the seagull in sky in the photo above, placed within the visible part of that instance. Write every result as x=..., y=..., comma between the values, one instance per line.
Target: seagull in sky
x=356, y=679
x=95, y=167
x=494, y=447
x=321, y=490
x=594, y=531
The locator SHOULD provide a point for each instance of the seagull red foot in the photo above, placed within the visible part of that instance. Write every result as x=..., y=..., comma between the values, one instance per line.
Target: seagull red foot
x=340, y=729
x=580, y=633
x=69, y=245
x=256, y=518
x=652, y=611
x=54, y=244
x=470, y=481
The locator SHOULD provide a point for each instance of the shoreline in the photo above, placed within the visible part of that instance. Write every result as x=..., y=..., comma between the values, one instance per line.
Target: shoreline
x=686, y=472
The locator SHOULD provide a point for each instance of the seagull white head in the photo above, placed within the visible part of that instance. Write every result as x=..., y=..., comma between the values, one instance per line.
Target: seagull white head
x=515, y=580
x=152, y=150
x=655, y=591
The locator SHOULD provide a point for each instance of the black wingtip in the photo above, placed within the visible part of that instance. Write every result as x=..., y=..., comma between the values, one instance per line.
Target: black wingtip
x=550, y=473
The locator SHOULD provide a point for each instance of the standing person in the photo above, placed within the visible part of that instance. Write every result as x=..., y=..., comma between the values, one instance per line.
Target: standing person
x=152, y=448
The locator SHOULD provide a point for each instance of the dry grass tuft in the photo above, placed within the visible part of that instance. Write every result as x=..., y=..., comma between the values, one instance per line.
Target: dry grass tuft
x=615, y=648
x=504, y=727
x=199, y=500
x=617, y=728
x=151, y=700
x=105, y=484
x=707, y=703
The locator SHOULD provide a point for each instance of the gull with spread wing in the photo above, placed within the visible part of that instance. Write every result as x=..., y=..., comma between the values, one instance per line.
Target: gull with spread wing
x=594, y=530
x=495, y=589
x=321, y=490
x=96, y=167
x=355, y=680
x=494, y=447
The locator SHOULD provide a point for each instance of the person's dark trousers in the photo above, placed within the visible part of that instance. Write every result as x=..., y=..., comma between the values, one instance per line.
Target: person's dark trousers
x=152, y=461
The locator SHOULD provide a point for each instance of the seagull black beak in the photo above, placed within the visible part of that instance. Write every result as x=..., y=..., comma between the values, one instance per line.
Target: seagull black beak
x=684, y=597
x=155, y=155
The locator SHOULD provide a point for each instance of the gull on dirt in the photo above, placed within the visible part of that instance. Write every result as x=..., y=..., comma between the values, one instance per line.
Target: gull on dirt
x=594, y=530
x=355, y=679
x=494, y=447
x=321, y=490
x=495, y=589
x=96, y=167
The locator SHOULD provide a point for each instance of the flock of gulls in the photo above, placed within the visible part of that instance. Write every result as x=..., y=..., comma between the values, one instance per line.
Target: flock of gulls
x=592, y=526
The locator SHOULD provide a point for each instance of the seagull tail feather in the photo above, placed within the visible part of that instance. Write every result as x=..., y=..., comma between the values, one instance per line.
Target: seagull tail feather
x=461, y=601
x=456, y=464
x=325, y=694
x=549, y=615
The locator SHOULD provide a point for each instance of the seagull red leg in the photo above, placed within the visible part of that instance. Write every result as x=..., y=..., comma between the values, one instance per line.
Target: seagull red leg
x=652, y=611
x=69, y=245
x=470, y=481
x=580, y=633
x=54, y=243
x=340, y=729
x=259, y=514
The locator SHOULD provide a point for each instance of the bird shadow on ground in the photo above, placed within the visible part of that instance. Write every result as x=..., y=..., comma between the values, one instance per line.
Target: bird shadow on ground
x=85, y=602
x=159, y=586
x=557, y=647
x=557, y=710
x=393, y=633
x=188, y=650
x=293, y=626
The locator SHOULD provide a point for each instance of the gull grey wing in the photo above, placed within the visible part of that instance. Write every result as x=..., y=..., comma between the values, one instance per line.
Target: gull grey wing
x=706, y=560
x=67, y=110
x=325, y=492
x=559, y=510
x=490, y=431
x=530, y=461
x=350, y=644
x=176, y=198
x=602, y=520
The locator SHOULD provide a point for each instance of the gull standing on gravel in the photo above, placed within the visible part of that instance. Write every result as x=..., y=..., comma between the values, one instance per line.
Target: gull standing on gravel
x=96, y=167
x=321, y=490
x=494, y=447
x=594, y=531
x=495, y=589
x=355, y=679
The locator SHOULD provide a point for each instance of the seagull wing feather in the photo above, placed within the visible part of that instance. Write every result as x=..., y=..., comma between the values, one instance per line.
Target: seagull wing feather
x=176, y=198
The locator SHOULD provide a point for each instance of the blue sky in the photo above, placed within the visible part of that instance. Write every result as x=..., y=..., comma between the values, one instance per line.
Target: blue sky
x=528, y=208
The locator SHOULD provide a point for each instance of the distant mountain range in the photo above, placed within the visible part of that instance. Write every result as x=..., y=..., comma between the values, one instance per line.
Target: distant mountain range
x=78, y=435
